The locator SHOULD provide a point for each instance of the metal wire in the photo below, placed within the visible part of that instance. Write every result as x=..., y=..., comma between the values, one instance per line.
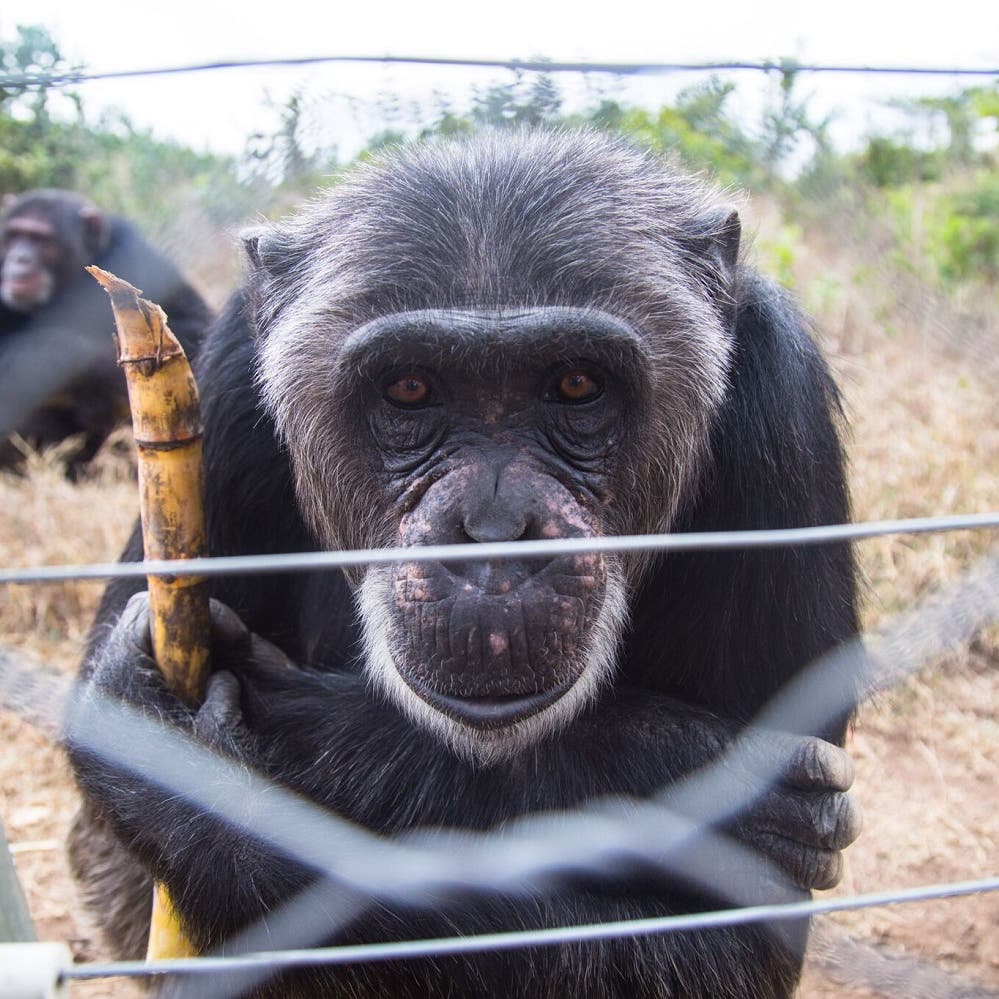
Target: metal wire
x=534, y=850
x=374, y=865
x=443, y=946
x=516, y=65
x=419, y=867
x=707, y=541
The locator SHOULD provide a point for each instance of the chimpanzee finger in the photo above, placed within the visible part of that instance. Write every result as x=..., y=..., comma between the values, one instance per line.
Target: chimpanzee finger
x=799, y=761
x=823, y=820
x=228, y=631
x=810, y=868
x=815, y=765
x=133, y=626
x=220, y=710
x=219, y=722
x=237, y=649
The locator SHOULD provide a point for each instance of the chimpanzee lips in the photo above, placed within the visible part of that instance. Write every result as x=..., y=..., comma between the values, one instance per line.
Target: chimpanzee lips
x=488, y=712
x=492, y=644
x=24, y=291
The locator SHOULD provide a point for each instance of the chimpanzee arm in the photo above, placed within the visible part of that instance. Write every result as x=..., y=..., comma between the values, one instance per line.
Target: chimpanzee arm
x=51, y=350
x=325, y=736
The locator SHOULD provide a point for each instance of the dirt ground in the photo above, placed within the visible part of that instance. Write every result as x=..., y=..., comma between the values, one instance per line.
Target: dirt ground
x=925, y=441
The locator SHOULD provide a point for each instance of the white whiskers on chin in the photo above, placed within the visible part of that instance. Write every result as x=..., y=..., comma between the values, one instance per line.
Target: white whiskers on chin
x=487, y=746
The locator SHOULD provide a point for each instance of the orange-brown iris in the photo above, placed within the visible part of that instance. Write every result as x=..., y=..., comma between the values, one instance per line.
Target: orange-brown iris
x=410, y=390
x=577, y=386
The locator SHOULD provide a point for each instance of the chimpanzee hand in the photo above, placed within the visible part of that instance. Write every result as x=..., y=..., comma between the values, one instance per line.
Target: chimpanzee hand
x=806, y=818
x=803, y=818
x=780, y=795
x=179, y=840
x=124, y=670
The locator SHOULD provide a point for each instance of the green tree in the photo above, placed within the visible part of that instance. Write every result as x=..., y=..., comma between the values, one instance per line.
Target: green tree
x=28, y=62
x=697, y=129
x=787, y=121
x=46, y=142
x=890, y=162
x=36, y=149
x=530, y=99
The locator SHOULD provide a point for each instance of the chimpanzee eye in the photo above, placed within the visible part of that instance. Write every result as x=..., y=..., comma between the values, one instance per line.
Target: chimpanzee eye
x=575, y=385
x=410, y=390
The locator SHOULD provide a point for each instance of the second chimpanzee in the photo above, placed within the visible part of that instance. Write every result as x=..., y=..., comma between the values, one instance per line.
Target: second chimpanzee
x=58, y=376
x=518, y=337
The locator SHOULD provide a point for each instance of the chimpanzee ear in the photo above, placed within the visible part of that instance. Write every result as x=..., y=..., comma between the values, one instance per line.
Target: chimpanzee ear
x=259, y=244
x=96, y=229
x=720, y=231
x=263, y=252
x=251, y=238
x=723, y=230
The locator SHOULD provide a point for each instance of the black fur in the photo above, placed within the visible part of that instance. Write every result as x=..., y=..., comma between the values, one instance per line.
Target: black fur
x=58, y=374
x=714, y=635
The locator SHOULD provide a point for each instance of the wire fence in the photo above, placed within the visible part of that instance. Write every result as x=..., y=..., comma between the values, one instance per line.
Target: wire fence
x=529, y=855
x=514, y=65
x=705, y=541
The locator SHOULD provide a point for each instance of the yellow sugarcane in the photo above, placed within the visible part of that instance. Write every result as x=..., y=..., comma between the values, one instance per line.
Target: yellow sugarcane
x=166, y=420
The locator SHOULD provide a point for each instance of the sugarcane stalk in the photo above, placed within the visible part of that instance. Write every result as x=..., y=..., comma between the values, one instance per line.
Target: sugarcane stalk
x=166, y=421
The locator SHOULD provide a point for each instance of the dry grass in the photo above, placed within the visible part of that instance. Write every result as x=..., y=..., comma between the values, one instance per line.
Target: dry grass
x=920, y=387
x=49, y=520
x=925, y=441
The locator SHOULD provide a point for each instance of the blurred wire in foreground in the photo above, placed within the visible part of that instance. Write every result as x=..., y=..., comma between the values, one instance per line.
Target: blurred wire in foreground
x=533, y=851
x=443, y=946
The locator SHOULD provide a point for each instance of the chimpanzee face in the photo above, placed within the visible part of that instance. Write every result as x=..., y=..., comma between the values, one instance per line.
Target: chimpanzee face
x=452, y=359
x=47, y=238
x=31, y=257
x=496, y=426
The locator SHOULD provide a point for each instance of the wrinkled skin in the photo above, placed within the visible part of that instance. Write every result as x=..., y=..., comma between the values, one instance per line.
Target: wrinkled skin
x=487, y=456
x=520, y=337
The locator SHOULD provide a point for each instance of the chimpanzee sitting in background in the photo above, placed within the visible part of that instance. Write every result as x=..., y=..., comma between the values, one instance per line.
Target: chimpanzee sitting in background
x=523, y=336
x=58, y=374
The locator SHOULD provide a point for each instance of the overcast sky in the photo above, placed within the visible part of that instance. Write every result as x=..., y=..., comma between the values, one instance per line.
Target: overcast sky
x=218, y=110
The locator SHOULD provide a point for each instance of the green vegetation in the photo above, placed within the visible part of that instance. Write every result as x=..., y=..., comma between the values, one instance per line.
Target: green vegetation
x=47, y=140
x=926, y=196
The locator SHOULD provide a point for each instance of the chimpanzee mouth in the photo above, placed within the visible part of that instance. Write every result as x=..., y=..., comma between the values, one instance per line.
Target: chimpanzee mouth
x=488, y=712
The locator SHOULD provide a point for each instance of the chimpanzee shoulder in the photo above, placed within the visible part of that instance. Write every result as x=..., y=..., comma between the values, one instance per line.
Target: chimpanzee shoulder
x=522, y=336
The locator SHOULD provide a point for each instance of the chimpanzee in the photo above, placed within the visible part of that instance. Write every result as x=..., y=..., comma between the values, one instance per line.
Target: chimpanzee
x=58, y=376
x=517, y=336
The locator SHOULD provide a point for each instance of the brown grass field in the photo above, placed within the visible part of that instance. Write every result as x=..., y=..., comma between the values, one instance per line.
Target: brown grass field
x=921, y=400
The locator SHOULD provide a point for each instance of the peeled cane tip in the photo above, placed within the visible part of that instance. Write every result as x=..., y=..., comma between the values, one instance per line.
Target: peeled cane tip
x=116, y=287
x=143, y=334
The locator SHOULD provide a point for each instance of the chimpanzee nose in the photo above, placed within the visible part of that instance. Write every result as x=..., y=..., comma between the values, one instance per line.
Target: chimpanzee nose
x=504, y=505
x=495, y=523
x=501, y=506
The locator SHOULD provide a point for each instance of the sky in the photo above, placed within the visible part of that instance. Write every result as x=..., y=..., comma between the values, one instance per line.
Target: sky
x=219, y=110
